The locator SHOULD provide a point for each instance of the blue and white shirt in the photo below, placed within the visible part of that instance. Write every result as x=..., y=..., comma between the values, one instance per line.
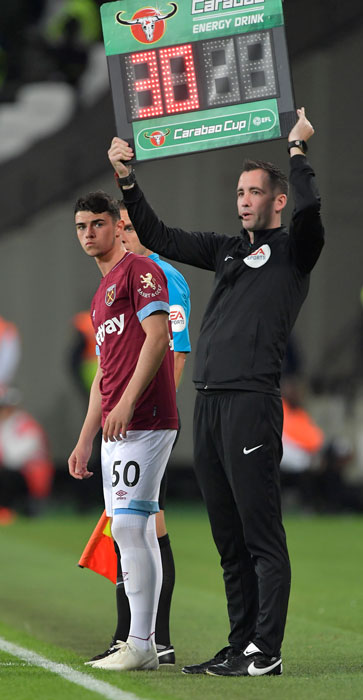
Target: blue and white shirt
x=179, y=301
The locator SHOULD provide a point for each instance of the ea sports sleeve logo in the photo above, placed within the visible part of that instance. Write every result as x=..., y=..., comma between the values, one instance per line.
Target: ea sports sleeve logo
x=147, y=24
x=177, y=318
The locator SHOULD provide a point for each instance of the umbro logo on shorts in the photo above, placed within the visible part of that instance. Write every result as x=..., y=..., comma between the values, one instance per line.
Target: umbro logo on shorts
x=121, y=495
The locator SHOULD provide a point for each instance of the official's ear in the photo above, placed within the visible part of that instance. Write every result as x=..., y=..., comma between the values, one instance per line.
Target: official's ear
x=280, y=202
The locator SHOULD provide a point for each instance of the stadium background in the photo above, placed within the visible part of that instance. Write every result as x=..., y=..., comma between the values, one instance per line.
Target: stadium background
x=54, y=135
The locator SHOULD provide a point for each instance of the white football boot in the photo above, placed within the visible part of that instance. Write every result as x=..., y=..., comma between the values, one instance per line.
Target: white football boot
x=129, y=657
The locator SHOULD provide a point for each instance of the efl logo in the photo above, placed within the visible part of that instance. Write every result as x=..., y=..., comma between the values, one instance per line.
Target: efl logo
x=148, y=24
x=157, y=138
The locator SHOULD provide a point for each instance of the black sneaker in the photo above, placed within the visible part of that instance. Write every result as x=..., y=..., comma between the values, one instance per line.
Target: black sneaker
x=250, y=662
x=166, y=655
x=220, y=656
x=111, y=650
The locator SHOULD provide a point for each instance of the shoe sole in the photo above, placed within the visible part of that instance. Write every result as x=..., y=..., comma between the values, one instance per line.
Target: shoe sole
x=150, y=665
x=117, y=667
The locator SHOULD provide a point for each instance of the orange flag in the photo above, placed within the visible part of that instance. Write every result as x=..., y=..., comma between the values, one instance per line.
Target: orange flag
x=99, y=553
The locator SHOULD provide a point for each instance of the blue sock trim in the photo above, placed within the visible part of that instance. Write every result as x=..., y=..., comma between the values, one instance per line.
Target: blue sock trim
x=130, y=511
x=149, y=506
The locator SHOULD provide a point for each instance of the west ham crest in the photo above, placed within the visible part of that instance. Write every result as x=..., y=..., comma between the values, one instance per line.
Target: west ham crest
x=110, y=295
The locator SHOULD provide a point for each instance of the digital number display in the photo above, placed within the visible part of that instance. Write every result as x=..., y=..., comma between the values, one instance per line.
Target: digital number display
x=160, y=82
x=231, y=70
x=192, y=75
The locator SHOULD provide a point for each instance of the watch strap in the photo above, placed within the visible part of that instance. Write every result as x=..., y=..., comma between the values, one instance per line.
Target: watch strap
x=298, y=143
x=130, y=179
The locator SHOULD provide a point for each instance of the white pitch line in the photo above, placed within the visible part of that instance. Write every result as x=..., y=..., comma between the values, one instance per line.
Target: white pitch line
x=105, y=689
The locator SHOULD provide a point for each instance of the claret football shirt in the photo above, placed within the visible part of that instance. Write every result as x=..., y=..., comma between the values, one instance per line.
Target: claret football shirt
x=134, y=289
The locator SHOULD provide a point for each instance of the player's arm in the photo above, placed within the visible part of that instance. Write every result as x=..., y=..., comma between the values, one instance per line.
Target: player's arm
x=179, y=300
x=179, y=362
x=152, y=353
x=79, y=458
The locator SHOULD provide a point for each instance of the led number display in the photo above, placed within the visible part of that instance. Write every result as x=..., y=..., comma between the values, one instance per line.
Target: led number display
x=174, y=97
x=232, y=70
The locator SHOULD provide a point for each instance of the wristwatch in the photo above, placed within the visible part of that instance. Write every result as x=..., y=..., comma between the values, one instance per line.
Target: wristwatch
x=130, y=179
x=298, y=143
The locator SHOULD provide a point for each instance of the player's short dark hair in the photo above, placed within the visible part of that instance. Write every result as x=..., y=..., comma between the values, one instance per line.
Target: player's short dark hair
x=122, y=205
x=278, y=180
x=98, y=202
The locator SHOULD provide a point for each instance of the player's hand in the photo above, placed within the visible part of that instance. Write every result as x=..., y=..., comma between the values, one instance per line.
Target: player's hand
x=118, y=419
x=303, y=129
x=119, y=153
x=77, y=463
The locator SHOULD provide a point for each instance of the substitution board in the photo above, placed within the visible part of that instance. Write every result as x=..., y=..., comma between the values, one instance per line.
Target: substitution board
x=195, y=75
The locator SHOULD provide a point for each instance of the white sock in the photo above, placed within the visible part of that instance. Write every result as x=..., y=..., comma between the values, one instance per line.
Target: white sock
x=142, y=575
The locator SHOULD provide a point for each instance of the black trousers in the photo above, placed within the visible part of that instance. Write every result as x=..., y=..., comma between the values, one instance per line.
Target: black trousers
x=237, y=443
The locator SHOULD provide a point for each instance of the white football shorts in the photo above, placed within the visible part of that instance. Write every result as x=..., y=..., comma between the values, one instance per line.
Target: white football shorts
x=132, y=469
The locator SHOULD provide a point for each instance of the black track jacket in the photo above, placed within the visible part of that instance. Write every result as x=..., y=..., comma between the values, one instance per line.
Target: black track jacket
x=258, y=289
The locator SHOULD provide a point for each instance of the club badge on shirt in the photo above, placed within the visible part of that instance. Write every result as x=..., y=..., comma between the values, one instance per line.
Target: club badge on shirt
x=259, y=257
x=110, y=295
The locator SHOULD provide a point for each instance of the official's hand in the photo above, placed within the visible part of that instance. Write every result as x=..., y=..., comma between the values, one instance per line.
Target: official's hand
x=119, y=153
x=303, y=129
x=118, y=419
x=77, y=463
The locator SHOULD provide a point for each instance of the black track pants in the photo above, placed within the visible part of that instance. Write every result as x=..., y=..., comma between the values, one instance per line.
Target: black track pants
x=237, y=444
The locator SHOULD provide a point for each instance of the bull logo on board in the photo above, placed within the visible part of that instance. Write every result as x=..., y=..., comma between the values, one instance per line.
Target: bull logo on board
x=147, y=24
x=157, y=138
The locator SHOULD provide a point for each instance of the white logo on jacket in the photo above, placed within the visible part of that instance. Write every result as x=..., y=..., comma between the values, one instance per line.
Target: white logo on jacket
x=259, y=257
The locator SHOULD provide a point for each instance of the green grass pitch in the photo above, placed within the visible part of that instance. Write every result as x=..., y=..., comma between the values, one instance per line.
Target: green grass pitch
x=50, y=606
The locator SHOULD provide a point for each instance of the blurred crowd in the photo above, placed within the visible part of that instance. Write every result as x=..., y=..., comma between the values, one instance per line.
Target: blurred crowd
x=26, y=467
x=314, y=468
x=45, y=40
